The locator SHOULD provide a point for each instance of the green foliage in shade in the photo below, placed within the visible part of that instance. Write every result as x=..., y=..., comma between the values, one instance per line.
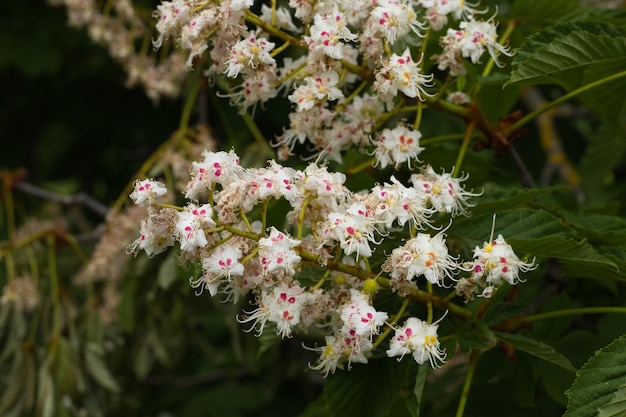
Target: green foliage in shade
x=414, y=401
x=600, y=386
x=367, y=390
x=536, y=348
x=573, y=55
x=96, y=366
x=542, y=13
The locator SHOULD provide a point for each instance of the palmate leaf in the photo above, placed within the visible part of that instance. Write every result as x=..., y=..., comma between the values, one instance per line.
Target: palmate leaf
x=600, y=386
x=574, y=55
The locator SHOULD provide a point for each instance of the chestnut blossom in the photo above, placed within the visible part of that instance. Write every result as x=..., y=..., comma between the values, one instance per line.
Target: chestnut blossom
x=418, y=338
x=216, y=168
x=444, y=192
x=155, y=233
x=193, y=33
x=495, y=262
x=401, y=74
x=146, y=192
x=339, y=350
x=277, y=254
x=327, y=34
x=281, y=306
x=471, y=40
x=360, y=317
x=279, y=18
x=247, y=54
x=397, y=146
x=424, y=255
x=190, y=225
x=315, y=89
x=354, y=230
x=393, y=19
x=169, y=15
x=221, y=264
x=257, y=86
x=437, y=11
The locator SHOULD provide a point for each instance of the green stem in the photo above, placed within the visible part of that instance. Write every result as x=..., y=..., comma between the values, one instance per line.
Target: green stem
x=471, y=367
x=361, y=167
x=429, y=305
x=531, y=116
x=54, y=285
x=258, y=136
x=264, y=208
x=571, y=312
x=321, y=281
x=189, y=104
x=394, y=320
x=415, y=294
x=256, y=20
x=467, y=138
x=444, y=138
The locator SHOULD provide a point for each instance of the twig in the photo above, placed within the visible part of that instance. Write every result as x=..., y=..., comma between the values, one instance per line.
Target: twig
x=80, y=198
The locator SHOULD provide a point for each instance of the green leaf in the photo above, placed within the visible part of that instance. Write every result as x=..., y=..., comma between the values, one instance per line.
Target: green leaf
x=414, y=402
x=543, y=13
x=574, y=55
x=364, y=390
x=420, y=382
x=497, y=198
x=600, y=385
x=168, y=271
x=96, y=366
x=617, y=406
x=604, y=229
x=560, y=53
x=536, y=348
x=501, y=311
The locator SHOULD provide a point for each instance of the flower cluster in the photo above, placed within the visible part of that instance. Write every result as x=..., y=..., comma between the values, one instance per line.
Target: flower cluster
x=494, y=264
x=351, y=54
x=346, y=69
x=329, y=228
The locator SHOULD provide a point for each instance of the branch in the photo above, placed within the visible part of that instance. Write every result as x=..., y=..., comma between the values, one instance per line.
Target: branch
x=80, y=198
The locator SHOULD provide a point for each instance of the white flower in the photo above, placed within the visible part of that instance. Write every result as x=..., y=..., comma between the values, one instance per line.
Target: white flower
x=422, y=255
x=327, y=33
x=394, y=19
x=282, y=306
x=496, y=262
x=278, y=17
x=359, y=317
x=401, y=73
x=444, y=192
x=276, y=253
x=353, y=229
x=396, y=146
x=249, y=53
x=418, y=338
x=146, y=191
x=155, y=234
x=190, y=225
x=216, y=168
x=316, y=89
